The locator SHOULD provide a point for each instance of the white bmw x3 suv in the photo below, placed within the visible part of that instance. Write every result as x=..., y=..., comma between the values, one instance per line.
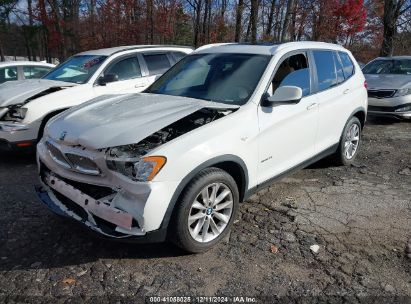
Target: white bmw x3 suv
x=174, y=161
x=27, y=105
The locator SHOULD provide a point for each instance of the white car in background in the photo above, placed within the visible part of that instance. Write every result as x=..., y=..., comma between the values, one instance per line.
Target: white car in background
x=389, y=86
x=224, y=122
x=19, y=70
x=27, y=105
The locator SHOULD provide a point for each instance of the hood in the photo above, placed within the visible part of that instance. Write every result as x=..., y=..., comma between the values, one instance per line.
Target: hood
x=116, y=120
x=387, y=81
x=18, y=92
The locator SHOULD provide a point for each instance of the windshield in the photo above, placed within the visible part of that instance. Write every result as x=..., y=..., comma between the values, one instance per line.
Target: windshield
x=226, y=78
x=77, y=69
x=394, y=66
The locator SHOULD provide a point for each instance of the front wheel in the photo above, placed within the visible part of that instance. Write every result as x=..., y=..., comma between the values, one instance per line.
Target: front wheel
x=349, y=143
x=206, y=210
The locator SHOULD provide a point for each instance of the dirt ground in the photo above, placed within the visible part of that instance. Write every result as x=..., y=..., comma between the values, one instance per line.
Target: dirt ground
x=358, y=216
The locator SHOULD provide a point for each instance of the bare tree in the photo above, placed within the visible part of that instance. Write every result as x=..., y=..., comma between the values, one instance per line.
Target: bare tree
x=238, y=21
x=287, y=20
x=393, y=9
x=253, y=20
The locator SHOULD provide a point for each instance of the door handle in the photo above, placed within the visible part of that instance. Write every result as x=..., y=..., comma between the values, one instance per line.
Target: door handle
x=140, y=85
x=312, y=106
x=346, y=91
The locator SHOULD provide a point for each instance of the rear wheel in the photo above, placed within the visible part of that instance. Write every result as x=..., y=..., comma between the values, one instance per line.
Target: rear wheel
x=206, y=210
x=349, y=143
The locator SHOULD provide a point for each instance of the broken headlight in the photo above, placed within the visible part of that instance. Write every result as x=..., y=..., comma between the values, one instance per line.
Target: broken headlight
x=18, y=113
x=127, y=161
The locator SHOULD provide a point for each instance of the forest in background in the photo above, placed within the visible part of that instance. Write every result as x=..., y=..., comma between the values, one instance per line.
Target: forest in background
x=46, y=29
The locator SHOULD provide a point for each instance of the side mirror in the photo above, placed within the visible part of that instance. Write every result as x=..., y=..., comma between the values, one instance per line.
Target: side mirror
x=283, y=95
x=103, y=80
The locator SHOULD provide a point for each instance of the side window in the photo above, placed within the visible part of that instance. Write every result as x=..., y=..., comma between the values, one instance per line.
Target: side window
x=293, y=71
x=31, y=72
x=348, y=66
x=128, y=68
x=339, y=68
x=157, y=63
x=178, y=55
x=8, y=74
x=326, y=75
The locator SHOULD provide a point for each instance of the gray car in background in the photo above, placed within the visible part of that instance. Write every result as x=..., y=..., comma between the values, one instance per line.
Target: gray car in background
x=389, y=86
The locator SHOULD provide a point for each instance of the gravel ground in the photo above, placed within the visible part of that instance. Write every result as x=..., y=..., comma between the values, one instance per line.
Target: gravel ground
x=358, y=217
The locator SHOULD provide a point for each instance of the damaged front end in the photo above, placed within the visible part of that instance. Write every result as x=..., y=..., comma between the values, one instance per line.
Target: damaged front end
x=110, y=190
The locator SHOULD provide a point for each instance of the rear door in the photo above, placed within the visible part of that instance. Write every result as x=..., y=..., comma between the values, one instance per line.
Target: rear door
x=333, y=93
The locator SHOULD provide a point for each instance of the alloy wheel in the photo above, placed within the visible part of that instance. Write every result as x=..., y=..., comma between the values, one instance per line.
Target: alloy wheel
x=210, y=212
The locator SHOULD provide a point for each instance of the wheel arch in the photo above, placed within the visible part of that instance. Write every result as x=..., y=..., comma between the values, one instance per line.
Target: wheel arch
x=232, y=164
x=45, y=119
x=360, y=113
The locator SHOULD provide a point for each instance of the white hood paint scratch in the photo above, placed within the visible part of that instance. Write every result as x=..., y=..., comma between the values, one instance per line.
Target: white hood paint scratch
x=123, y=119
x=17, y=92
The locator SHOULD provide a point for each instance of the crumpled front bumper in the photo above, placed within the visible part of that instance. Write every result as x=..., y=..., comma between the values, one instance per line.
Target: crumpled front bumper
x=110, y=205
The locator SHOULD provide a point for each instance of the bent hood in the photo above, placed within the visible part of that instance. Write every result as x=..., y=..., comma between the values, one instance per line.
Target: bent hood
x=18, y=92
x=387, y=81
x=115, y=120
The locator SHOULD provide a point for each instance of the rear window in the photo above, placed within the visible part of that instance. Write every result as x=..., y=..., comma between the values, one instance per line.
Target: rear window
x=157, y=63
x=326, y=75
x=348, y=66
x=178, y=55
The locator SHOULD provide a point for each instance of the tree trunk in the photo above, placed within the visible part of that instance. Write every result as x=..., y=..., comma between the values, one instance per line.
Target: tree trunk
x=205, y=21
x=391, y=14
x=253, y=20
x=285, y=32
x=197, y=22
x=238, y=17
x=270, y=19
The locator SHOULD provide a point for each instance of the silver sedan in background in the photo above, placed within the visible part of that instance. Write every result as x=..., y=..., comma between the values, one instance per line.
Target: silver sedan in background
x=389, y=86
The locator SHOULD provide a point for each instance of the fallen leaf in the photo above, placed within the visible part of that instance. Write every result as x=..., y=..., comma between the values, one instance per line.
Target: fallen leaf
x=273, y=249
x=69, y=281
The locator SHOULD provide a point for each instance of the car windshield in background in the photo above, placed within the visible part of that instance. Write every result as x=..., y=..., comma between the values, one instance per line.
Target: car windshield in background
x=394, y=66
x=226, y=78
x=77, y=69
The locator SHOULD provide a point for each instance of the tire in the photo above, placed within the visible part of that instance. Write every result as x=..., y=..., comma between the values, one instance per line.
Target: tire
x=191, y=237
x=342, y=156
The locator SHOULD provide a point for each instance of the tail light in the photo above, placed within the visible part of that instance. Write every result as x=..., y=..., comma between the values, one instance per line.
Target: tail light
x=365, y=84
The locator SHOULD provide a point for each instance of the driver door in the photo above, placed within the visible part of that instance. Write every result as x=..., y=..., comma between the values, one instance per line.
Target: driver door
x=288, y=131
x=128, y=77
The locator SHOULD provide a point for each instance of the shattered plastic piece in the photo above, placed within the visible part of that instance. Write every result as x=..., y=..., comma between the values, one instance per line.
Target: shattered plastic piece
x=314, y=248
x=273, y=249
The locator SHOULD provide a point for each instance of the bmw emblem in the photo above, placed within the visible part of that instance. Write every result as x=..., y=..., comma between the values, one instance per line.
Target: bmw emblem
x=209, y=211
x=63, y=135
